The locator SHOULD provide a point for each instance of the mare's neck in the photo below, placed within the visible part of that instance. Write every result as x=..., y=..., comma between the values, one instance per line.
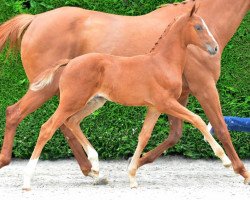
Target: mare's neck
x=223, y=17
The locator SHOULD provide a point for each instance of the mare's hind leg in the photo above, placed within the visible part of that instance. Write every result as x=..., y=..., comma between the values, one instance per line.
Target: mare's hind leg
x=26, y=105
x=174, y=108
x=145, y=134
x=73, y=123
x=14, y=115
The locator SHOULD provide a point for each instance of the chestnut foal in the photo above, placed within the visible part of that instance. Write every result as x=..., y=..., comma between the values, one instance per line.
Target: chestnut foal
x=153, y=80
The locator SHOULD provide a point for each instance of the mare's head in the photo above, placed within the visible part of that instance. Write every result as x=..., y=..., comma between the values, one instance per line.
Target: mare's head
x=197, y=33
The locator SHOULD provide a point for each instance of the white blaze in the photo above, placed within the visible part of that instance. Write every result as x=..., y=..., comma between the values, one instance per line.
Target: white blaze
x=209, y=33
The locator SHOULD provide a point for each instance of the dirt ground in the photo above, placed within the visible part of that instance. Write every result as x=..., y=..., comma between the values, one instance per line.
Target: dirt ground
x=171, y=177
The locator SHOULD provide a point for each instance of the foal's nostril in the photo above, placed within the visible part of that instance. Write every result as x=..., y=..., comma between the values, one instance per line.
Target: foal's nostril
x=215, y=49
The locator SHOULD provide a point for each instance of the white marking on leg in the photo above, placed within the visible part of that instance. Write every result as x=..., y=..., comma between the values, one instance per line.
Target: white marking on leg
x=93, y=158
x=225, y=161
x=28, y=173
x=94, y=173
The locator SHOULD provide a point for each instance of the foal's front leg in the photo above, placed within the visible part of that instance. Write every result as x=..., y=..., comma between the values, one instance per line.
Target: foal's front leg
x=149, y=123
x=174, y=108
x=173, y=137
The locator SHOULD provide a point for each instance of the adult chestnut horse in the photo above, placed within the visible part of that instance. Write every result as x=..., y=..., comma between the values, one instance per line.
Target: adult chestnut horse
x=153, y=80
x=70, y=32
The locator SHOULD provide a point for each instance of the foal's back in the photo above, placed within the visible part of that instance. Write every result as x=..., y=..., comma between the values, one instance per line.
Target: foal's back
x=124, y=80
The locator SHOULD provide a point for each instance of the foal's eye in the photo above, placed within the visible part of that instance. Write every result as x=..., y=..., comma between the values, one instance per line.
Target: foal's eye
x=198, y=27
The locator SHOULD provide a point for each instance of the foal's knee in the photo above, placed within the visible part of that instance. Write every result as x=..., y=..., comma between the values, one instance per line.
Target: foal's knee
x=45, y=133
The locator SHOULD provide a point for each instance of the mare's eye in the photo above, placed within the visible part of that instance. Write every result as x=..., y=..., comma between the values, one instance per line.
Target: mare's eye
x=198, y=27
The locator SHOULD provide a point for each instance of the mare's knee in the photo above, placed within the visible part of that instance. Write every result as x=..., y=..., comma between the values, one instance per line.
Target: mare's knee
x=12, y=116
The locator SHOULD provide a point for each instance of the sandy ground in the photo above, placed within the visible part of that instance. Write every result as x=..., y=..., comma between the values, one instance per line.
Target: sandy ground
x=168, y=178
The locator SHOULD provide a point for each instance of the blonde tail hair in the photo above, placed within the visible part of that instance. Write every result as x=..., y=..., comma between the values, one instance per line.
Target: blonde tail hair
x=47, y=76
x=13, y=30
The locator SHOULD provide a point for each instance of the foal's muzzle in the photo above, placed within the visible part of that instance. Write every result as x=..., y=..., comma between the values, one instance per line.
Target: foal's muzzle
x=212, y=49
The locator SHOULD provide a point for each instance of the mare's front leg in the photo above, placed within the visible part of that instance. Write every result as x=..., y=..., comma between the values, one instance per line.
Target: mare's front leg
x=145, y=134
x=209, y=100
x=26, y=105
x=174, y=135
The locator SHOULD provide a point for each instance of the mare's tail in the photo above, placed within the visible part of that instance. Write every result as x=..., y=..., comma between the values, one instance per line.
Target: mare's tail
x=14, y=29
x=46, y=77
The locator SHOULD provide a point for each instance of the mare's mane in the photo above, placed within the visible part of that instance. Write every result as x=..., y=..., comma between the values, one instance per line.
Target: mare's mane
x=165, y=32
x=175, y=4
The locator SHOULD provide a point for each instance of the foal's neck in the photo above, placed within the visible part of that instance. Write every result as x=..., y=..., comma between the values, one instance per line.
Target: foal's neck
x=172, y=47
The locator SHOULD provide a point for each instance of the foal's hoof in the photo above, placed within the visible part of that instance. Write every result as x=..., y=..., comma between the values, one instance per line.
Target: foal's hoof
x=26, y=189
x=226, y=162
x=134, y=185
x=103, y=180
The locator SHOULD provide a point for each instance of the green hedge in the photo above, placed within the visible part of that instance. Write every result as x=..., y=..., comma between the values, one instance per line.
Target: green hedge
x=113, y=130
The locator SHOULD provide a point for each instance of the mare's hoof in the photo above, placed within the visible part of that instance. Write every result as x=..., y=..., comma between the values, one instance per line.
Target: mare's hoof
x=247, y=181
x=4, y=161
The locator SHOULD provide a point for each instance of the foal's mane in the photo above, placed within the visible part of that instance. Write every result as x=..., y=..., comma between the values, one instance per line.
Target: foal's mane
x=165, y=32
x=176, y=4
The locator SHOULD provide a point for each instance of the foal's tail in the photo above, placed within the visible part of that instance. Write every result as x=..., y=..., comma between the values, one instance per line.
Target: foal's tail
x=14, y=29
x=47, y=76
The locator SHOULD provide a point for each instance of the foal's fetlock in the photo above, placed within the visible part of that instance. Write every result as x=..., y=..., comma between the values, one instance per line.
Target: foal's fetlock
x=4, y=160
x=226, y=162
x=132, y=179
x=219, y=152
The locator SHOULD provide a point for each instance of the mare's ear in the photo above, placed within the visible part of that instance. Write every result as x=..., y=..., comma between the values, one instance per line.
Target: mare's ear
x=192, y=11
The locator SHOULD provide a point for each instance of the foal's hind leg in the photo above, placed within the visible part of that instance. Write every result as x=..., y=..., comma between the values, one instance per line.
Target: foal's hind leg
x=145, y=134
x=47, y=131
x=175, y=109
x=17, y=112
x=73, y=123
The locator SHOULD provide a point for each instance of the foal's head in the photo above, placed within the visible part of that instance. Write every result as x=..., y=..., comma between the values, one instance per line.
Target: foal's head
x=197, y=33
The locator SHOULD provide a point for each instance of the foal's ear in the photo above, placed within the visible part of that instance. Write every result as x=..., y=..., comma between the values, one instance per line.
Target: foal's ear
x=192, y=11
